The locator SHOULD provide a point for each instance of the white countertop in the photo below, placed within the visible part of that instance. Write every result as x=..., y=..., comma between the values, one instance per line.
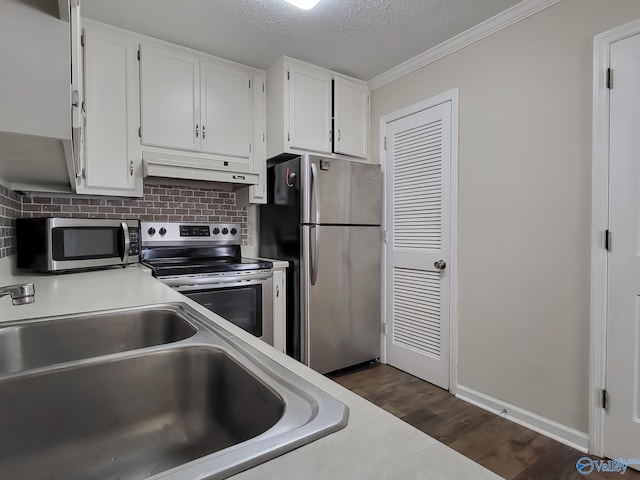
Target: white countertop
x=375, y=444
x=276, y=263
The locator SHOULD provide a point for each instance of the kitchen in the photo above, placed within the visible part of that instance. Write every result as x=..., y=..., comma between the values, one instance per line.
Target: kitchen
x=509, y=82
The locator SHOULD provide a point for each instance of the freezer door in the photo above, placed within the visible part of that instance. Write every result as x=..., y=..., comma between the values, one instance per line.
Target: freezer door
x=341, y=311
x=340, y=192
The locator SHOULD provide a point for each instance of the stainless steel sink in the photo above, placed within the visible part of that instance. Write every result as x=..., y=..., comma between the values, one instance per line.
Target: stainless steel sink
x=204, y=407
x=26, y=345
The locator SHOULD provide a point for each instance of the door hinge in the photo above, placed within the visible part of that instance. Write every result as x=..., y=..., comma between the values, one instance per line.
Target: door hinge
x=288, y=137
x=607, y=240
x=262, y=87
x=263, y=137
x=384, y=236
x=288, y=75
x=385, y=143
x=609, y=78
x=249, y=148
x=249, y=84
x=82, y=40
x=605, y=399
x=140, y=132
x=139, y=55
x=384, y=328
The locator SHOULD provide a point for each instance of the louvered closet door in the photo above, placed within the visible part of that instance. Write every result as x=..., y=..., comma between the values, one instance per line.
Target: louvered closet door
x=418, y=236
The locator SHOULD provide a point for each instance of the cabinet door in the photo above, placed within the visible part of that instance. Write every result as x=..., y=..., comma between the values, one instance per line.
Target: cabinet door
x=279, y=309
x=351, y=110
x=170, y=98
x=258, y=193
x=309, y=109
x=111, y=163
x=226, y=111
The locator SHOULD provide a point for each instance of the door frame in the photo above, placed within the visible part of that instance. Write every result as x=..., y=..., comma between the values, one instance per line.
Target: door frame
x=599, y=224
x=449, y=96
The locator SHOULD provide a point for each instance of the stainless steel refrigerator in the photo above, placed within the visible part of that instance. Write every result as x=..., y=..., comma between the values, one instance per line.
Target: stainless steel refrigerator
x=323, y=216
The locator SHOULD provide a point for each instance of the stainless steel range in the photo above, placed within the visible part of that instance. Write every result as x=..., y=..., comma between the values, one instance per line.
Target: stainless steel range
x=203, y=262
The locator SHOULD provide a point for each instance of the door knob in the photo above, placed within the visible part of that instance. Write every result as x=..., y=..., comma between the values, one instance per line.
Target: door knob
x=440, y=264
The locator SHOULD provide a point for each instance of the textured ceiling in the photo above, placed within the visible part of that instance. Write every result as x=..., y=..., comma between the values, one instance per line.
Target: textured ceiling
x=361, y=38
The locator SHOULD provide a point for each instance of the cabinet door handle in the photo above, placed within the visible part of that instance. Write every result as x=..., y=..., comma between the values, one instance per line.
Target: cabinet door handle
x=131, y=168
x=204, y=132
x=339, y=135
x=197, y=131
x=277, y=291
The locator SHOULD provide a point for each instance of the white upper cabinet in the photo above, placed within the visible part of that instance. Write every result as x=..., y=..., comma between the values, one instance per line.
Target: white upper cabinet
x=110, y=163
x=226, y=110
x=351, y=118
x=310, y=108
x=160, y=110
x=258, y=193
x=196, y=110
x=170, y=98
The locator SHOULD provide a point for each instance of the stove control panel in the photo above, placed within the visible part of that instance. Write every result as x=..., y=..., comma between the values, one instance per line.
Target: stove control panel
x=177, y=233
x=195, y=231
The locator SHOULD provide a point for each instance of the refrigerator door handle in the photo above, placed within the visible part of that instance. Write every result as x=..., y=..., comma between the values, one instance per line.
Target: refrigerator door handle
x=315, y=189
x=314, y=231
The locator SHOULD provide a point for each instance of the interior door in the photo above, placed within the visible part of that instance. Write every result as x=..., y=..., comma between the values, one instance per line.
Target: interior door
x=310, y=109
x=226, y=111
x=351, y=110
x=417, y=183
x=170, y=98
x=622, y=424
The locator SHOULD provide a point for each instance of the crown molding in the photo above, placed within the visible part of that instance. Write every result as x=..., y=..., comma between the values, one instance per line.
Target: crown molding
x=502, y=20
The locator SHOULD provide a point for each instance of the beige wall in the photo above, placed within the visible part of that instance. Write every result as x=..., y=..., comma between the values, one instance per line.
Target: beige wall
x=524, y=202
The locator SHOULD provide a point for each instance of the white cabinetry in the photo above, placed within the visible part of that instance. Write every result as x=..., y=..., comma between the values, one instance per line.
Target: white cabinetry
x=226, y=110
x=170, y=98
x=166, y=111
x=309, y=102
x=351, y=117
x=191, y=105
x=310, y=109
x=110, y=163
x=258, y=193
x=34, y=98
x=280, y=308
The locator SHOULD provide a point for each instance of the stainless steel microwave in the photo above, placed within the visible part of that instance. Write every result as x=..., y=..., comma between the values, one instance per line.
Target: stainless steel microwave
x=62, y=244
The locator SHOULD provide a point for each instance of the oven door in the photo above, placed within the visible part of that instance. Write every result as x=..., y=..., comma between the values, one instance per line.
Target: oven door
x=243, y=299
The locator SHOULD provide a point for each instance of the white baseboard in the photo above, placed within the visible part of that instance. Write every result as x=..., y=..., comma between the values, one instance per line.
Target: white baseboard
x=533, y=421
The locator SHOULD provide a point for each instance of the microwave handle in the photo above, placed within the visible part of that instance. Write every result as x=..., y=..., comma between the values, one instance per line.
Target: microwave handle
x=126, y=241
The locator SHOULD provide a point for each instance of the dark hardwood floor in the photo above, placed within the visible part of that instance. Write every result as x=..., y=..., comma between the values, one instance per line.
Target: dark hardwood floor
x=511, y=451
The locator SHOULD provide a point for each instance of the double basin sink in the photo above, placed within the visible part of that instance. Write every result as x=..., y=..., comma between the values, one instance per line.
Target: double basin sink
x=151, y=392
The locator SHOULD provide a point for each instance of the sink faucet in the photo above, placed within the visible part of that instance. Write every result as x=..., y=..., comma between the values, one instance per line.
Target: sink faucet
x=21, y=294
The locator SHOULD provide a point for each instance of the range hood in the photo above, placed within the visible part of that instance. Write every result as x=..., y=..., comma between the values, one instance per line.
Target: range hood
x=35, y=118
x=185, y=168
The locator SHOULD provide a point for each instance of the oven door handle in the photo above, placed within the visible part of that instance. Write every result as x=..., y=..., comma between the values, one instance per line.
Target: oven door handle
x=182, y=283
x=126, y=241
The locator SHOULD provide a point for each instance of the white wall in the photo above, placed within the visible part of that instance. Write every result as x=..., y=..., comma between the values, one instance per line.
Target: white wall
x=524, y=202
